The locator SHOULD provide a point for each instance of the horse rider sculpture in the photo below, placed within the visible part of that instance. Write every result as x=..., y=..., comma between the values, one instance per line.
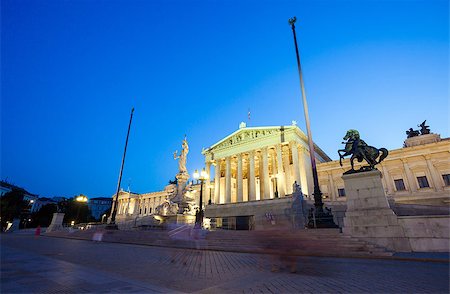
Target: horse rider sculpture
x=358, y=149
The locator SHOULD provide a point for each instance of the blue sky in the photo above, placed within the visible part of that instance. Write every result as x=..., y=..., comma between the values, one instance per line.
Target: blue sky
x=72, y=70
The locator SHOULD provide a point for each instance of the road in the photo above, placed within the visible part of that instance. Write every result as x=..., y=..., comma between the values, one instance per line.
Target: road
x=54, y=265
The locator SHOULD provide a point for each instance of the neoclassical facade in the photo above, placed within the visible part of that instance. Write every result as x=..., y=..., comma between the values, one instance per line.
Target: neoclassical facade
x=254, y=168
x=417, y=173
x=260, y=163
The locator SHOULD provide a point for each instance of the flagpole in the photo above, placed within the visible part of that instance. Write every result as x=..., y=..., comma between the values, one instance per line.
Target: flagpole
x=318, y=203
x=116, y=198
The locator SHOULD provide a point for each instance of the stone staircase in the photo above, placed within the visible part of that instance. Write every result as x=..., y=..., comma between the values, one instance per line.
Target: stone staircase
x=312, y=242
x=323, y=242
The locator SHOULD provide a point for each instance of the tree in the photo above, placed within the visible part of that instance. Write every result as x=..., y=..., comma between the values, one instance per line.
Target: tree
x=75, y=211
x=44, y=216
x=11, y=206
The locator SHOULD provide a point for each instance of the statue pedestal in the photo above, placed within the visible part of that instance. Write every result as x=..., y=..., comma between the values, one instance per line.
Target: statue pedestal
x=182, y=179
x=368, y=216
x=422, y=139
x=179, y=219
x=56, y=224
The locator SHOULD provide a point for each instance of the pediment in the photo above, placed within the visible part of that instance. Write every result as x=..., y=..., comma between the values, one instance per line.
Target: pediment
x=247, y=135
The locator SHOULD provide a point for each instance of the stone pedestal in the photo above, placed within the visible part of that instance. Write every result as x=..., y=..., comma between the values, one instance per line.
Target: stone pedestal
x=56, y=224
x=368, y=216
x=181, y=183
x=179, y=219
x=422, y=139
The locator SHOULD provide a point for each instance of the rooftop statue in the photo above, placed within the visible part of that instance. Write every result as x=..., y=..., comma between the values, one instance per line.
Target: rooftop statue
x=182, y=157
x=412, y=133
x=424, y=129
x=358, y=149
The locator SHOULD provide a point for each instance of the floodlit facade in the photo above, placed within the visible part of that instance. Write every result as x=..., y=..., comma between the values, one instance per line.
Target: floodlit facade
x=253, y=172
x=418, y=173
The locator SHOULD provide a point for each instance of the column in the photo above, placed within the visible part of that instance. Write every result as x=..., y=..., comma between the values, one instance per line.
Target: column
x=306, y=177
x=207, y=187
x=280, y=175
x=251, y=176
x=387, y=180
x=295, y=164
x=228, y=180
x=287, y=171
x=409, y=176
x=265, y=174
x=435, y=179
x=331, y=188
x=240, y=187
x=217, y=182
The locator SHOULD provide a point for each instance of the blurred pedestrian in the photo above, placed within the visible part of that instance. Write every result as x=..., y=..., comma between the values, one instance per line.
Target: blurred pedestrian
x=37, y=233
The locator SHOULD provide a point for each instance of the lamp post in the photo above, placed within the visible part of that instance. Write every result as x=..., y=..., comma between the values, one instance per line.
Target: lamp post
x=80, y=199
x=202, y=177
x=324, y=219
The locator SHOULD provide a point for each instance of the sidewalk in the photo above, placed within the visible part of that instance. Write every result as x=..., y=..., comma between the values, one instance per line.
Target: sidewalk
x=57, y=265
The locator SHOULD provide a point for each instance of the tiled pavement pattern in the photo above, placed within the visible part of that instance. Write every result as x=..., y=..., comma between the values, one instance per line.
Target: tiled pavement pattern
x=56, y=265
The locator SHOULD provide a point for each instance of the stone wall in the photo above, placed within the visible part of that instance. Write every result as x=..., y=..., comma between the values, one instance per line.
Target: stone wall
x=279, y=208
x=427, y=233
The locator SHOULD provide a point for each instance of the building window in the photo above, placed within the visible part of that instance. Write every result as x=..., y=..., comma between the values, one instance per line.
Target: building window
x=145, y=210
x=150, y=210
x=399, y=185
x=446, y=179
x=423, y=182
x=341, y=192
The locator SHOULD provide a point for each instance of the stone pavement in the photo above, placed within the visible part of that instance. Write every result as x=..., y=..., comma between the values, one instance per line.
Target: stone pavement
x=54, y=265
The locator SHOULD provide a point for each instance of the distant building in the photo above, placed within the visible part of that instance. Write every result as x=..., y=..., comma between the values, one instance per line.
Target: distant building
x=6, y=187
x=59, y=198
x=41, y=202
x=98, y=206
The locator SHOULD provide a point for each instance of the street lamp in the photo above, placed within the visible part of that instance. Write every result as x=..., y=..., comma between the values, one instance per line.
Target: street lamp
x=325, y=219
x=80, y=199
x=202, y=177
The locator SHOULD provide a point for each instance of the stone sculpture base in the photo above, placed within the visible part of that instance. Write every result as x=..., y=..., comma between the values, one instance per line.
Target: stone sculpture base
x=422, y=139
x=56, y=224
x=181, y=184
x=179, y=219
x=368, y=216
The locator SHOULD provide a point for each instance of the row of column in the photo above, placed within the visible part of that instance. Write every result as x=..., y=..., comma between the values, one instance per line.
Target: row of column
x=280, y=170
x=133, y=206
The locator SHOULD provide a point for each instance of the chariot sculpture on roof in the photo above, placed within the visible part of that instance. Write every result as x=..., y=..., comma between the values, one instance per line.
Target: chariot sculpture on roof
x=424, y=130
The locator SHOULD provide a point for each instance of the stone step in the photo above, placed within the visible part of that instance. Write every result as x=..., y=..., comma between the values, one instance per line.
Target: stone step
x=317, y=242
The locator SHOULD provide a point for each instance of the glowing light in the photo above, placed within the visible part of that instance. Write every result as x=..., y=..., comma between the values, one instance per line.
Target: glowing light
x=196, y=174
x=81, y=198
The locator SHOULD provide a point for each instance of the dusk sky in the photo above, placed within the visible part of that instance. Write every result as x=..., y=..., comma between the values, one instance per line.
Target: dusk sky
x=72, y=70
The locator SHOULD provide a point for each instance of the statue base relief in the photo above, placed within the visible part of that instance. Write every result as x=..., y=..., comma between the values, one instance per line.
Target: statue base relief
x=368, y=216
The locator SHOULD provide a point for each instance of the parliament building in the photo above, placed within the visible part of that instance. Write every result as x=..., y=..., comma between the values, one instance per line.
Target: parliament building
x=254, y=171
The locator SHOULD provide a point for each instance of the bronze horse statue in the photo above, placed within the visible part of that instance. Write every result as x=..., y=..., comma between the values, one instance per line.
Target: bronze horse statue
x=358, y=149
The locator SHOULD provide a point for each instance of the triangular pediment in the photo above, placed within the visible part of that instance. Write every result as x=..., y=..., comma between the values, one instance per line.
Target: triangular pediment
x=254, y=137
x=250, y=134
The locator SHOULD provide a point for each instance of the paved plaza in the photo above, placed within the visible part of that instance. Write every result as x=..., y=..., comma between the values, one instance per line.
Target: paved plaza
x=55, y=265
